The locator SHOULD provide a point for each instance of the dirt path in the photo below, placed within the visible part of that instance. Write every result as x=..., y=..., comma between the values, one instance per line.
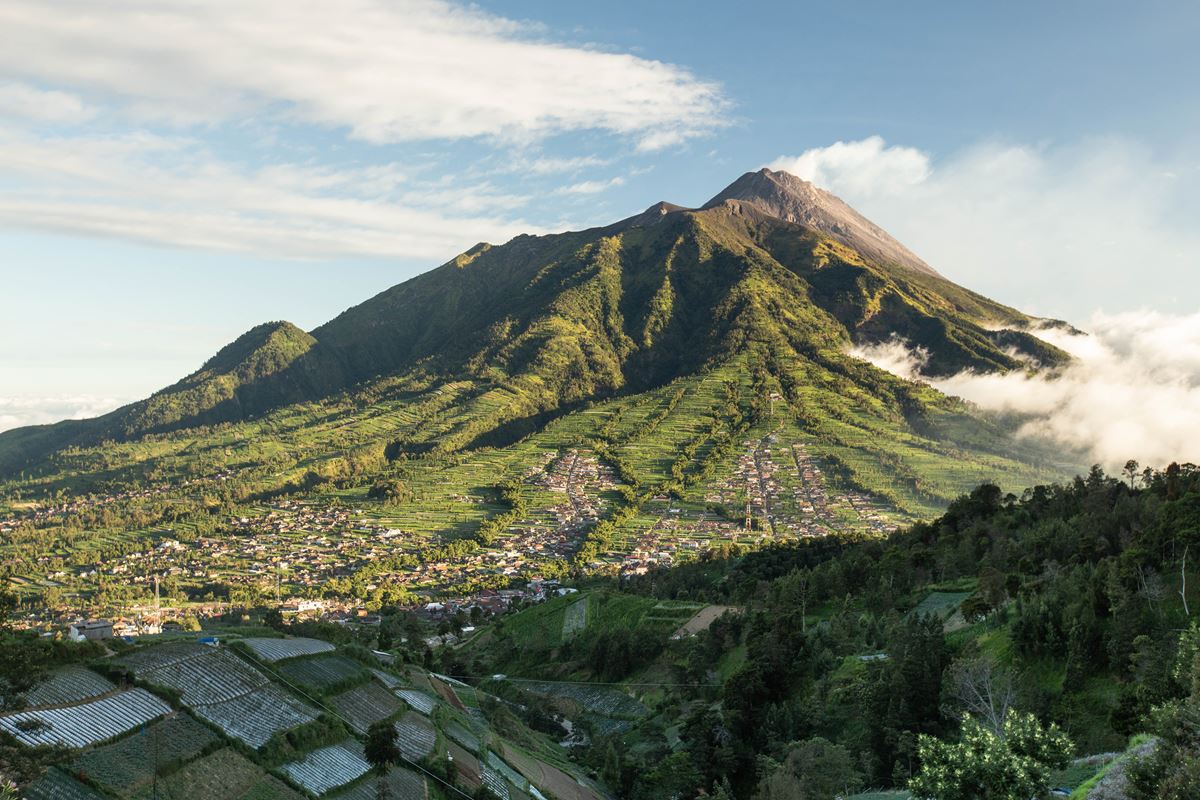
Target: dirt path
x=702, y=620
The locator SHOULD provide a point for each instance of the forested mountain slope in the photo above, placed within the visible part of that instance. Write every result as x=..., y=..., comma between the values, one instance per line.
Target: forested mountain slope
x=772, y=265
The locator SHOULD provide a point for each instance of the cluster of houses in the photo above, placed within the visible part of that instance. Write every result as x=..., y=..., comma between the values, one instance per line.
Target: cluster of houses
x=76, y=505
x=572, y=474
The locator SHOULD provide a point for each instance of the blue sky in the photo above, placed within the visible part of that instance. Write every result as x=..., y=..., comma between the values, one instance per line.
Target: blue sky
x=171, y=175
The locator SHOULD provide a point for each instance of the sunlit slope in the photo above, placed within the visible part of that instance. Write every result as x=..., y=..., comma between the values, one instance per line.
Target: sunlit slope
x=492, y=346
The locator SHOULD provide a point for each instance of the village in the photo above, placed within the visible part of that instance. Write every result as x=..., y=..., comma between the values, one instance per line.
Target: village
x=297, y=553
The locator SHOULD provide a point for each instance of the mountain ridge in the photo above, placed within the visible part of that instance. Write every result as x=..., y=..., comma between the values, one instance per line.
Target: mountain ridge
x=542, y=322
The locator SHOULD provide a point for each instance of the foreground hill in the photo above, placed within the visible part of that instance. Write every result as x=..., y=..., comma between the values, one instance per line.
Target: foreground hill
x=807, y=671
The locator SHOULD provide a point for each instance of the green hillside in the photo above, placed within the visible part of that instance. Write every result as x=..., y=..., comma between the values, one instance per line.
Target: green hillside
x=608, y=400
x=542, y=323
x=831, y=666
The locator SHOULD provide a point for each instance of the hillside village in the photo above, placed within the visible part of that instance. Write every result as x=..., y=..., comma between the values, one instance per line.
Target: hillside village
x=288, y=551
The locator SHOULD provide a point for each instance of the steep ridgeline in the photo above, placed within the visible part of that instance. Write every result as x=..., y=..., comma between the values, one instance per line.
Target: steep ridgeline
x=771, y=269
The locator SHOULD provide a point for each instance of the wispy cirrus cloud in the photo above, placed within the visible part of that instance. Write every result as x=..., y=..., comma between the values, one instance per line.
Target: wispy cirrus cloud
x=382, y=71
x=303, y=129
x=174, y=191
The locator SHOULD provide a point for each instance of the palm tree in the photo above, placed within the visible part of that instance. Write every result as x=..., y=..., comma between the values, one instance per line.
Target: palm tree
x=382, y=751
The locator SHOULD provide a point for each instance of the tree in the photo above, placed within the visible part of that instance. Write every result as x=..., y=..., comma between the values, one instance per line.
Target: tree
x=979, y=687
x=381, y=751
x=1014, y=764
x=814, y=769
x=1131, y=472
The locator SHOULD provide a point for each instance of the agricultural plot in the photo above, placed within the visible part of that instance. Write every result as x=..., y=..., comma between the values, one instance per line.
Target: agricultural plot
x=702, y=620
x=223, y=689
x=324, y=672
x=403, y=784
x=575, y=618
x=418, y=700
x=365, y=705
x=415, y=736
x=594, y=699
x=494, y=782
x=459, y=733
x=58, y=785
x=940, y=604
x=271, y=788
x=496, y=764
x=466, y=765
x=72, y=684
x=387, y=679
x=328, y=768
x=86, y=723
x=446, y=692
x=127, y=765
x=278, y=649
x=548, y=778
x=202, y=676
x=223, y=775
x=255, y=717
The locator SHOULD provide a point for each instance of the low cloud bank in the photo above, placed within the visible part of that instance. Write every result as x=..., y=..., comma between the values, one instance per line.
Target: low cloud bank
x=1133, y=390
x=17, y=412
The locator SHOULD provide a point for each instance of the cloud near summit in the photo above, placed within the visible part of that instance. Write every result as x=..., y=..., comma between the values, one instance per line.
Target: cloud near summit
x=1057, y=229
x=1133, y=390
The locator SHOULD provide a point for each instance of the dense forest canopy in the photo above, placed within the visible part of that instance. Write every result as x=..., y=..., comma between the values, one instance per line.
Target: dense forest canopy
x=1074, y=632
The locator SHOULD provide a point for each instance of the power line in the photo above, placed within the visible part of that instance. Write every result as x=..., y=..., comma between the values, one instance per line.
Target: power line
x=580, y=683
x=335, y=714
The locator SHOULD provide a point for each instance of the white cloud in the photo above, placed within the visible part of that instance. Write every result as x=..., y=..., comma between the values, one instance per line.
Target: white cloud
x=1133, y=390
x=173, y=191
x=384, y=71
x=1057, y=230
x=861, y=168
x=21, y=101
x=19, y=411
x=591, y=187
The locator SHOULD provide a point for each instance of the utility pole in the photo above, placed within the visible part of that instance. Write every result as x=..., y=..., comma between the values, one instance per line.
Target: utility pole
x=157, y=604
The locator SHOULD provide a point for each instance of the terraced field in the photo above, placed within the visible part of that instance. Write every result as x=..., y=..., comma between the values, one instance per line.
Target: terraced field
x=223, y=775
x=70, y=684
x=222, y=689
x=128, y=765
x=365, y=705
x=255, y=717
x=403, y=784
x=417, y=699
x=280, y=649
x=328, y=767
x=58, y=785
x=415, y=736
x=575, y=618
x=323, y=672
x=86, y=723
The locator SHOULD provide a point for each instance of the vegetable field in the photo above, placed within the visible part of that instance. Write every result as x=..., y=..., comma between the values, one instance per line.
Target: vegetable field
x=57, y=785
x=253, y=718
x=127, y=765
x=328, y=768
x=279, y=649
x=365, y=705
x=87, y=723
x=415, y=736
x=71, y=684
x=322, y=673
x=418, y=700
